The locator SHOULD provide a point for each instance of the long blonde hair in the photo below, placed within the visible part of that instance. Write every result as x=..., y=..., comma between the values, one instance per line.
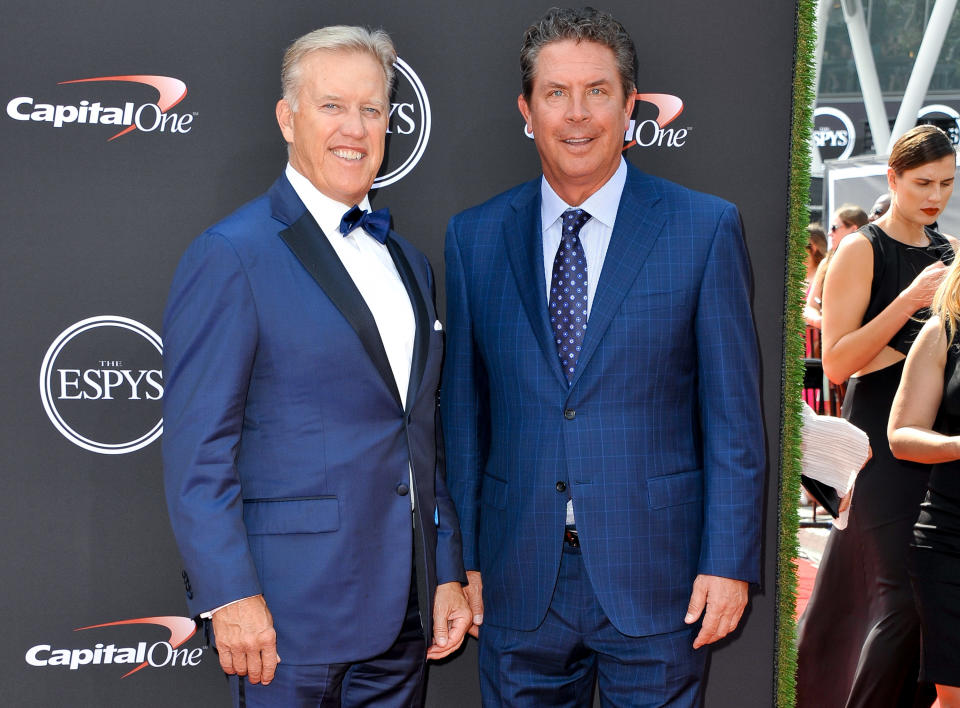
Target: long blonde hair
x=946, y=302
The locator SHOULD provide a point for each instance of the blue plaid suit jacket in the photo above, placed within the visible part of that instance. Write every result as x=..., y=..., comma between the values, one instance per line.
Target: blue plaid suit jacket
x=658, y=438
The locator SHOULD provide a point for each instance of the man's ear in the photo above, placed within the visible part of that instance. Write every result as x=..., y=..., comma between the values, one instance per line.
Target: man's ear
x=285, y=119
x=628, y=109
x=525, y=111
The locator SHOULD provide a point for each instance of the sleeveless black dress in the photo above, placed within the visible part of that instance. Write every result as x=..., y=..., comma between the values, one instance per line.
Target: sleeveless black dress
x=936, y=546
x=859, y=639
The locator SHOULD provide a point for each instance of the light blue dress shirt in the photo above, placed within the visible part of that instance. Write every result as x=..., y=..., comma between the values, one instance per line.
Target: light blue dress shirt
x=595, y=235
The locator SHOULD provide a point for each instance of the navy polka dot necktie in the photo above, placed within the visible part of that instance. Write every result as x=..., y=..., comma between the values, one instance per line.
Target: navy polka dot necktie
x=568, y=292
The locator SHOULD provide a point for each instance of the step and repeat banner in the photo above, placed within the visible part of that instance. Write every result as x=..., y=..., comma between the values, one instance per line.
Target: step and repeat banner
x=128, y=127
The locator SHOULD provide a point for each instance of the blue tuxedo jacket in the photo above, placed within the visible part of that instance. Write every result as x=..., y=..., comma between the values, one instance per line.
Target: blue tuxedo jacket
x=286, y=444
x=658, y=438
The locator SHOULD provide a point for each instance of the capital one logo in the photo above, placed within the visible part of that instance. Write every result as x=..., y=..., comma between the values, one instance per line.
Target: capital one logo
x=165, y=653
x=147, y=117
x=652, y=130
x=408, y=128
x=101, y=384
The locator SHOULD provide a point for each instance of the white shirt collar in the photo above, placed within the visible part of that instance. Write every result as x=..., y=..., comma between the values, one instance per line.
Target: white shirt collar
x=327, y=212
x=602, y=205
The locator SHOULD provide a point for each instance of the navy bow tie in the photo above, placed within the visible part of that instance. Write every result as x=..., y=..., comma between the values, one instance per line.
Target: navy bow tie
x=376, y=223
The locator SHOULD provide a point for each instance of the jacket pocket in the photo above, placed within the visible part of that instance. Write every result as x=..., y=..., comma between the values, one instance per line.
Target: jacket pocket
x=675, y=489
x=645, y=301
x=294, y=515
x=494, y=492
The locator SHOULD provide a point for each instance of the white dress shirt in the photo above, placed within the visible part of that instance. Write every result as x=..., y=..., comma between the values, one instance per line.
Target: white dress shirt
x=370, y=266
x=602, y=207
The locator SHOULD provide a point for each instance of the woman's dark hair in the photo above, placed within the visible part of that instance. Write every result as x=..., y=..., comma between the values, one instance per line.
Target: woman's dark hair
x=919, y=146
x=816, y=243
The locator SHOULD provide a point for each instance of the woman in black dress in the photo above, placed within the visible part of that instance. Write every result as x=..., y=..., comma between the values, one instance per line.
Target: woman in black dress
x=925, y=427
x=859, y=639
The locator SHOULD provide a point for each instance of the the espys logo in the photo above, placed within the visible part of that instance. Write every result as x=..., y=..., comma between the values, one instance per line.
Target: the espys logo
x=101, y=384
x=409, y=126
x=833, y=133
x=165, y=653
x=146, y=117
x=939, y=111
x=652, y=113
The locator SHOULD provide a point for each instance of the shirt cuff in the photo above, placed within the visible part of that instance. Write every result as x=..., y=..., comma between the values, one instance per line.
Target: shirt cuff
x=208, y=615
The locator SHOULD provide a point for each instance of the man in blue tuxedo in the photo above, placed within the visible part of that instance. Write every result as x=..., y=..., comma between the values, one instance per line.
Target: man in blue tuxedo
x=302, y=363
x=600, y=401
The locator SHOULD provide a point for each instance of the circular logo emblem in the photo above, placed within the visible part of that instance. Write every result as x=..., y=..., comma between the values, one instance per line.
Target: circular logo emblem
x=945, y=117
x=409, y=126
x=101, y=384
x=833, y=133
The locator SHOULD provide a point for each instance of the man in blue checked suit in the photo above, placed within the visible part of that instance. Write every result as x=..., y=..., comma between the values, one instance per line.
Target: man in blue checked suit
x=600, y=402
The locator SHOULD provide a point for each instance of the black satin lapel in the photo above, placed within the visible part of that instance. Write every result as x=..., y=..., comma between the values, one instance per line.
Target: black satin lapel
x=421, y=342
x=310, y=246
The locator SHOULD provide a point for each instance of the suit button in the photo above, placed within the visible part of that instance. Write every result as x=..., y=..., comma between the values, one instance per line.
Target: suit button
x=403, y=489
x=569, y=414
x=561, y=486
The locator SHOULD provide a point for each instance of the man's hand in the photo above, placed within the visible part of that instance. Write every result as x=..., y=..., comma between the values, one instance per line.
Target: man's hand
x=474, y=593
x=246, y=640
x=725, y=600
x=451, y=618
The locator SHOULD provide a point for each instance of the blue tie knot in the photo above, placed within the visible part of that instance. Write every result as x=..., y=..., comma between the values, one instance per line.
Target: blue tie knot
x=573, y=221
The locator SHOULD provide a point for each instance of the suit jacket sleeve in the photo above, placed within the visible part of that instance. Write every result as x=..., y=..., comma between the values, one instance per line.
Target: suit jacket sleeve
x=462, y=400
x=449, y=542
x=210, y=339
x=729, y=400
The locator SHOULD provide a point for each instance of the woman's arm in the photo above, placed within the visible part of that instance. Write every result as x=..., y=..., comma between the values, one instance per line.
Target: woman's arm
x=847, y=346
x=918, y=399
x=811, y=306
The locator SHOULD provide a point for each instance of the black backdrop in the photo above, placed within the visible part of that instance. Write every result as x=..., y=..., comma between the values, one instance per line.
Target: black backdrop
x=93, y=228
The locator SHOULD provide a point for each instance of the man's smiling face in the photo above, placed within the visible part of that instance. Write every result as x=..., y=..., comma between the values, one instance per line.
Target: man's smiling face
x=336, y=136
x=578, y=113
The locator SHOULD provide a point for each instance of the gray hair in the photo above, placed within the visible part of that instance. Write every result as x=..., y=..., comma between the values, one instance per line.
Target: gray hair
x=581, y=25
x=376, y=43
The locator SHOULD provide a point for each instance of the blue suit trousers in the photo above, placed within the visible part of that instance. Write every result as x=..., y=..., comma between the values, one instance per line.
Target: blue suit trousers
x=576, y=647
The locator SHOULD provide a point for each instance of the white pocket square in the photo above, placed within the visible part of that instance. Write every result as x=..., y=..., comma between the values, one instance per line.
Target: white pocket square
x=437, y=327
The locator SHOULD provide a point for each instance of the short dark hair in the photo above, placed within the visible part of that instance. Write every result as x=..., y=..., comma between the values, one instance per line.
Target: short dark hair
x=586, y=24
x=919, y=146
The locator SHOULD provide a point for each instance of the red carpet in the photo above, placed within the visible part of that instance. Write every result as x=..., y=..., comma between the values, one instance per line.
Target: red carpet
x=806, y=574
